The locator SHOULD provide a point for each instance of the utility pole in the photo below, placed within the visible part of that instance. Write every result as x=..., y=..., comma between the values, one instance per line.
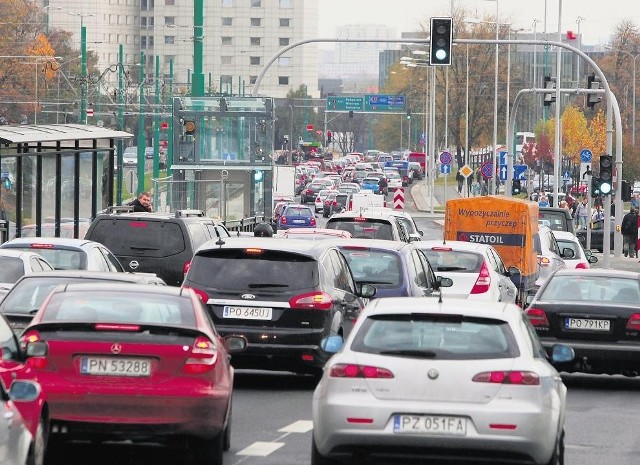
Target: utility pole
x=84, y=73
x=156, y=133
x=197, y=86
x=120, y=142
x=141, y=139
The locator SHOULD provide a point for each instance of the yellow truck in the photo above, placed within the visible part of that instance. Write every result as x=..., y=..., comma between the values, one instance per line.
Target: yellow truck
x=508, y=224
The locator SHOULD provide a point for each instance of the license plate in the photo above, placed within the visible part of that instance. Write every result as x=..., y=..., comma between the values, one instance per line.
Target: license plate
x=430, y=424
x=298, y=221
x=247, y=313
x=587, y=324
x=115, y=366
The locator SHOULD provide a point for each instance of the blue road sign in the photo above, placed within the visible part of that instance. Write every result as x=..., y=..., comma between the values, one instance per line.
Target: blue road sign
x=566, y=175
x=518, y=171
x=445, y=158
x=445, y=169
x=502, y=171
x=487, y=170
x=585, y=155
x=502, y=158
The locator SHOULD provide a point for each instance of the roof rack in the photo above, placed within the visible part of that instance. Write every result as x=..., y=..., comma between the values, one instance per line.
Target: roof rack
x=117, y=209
x=189, y=213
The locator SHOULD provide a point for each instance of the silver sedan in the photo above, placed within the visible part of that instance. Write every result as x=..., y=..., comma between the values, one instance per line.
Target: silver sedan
x=448, y=380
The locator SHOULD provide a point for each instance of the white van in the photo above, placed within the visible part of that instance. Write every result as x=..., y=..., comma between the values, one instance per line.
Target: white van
x=364, y=200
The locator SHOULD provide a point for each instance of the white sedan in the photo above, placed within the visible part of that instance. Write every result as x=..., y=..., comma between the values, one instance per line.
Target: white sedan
x=477, y=270
x=581, y=258
x=440, y=380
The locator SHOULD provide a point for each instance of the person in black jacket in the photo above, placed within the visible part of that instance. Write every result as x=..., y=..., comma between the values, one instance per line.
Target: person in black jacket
x=629, y=231
x=142, y=203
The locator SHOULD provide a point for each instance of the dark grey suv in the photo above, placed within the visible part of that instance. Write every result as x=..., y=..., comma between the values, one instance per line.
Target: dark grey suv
x=288, y=297
x=161, y=243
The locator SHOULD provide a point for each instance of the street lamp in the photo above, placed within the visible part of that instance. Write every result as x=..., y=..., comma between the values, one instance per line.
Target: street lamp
x=83, y=52
x=633, y=117
x=579, y=19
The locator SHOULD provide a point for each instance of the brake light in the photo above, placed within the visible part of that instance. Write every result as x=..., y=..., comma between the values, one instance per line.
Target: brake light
x=543, y=261
x=116, y=327
x=522, y=378
x=350, y=204
x=312, y=300
x=203, y=357
x=483, y=282
x=443, y=249
x=344, y=370
x=634, y=322
x=309, y=192
x=253, y=251
x=537, y=317
x=283, y=219
x=41, y=246
x=335, y=203
x=326, y=202
x=582, y=266
x=203, y=296
x=138, y=224
x=185, y=267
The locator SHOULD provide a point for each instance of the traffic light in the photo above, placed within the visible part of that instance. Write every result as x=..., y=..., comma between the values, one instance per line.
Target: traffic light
x=257, y=176
x=189, y=127
x=516, y=187
x=329, y=137
x=593, y=83
x=595, y=186
x=408, y=114
x=549, y=83
x=440, y=43
x=606, y=174
x=626, y=191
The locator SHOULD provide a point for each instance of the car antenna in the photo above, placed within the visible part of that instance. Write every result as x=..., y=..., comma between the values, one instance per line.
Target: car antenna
x=220, y=242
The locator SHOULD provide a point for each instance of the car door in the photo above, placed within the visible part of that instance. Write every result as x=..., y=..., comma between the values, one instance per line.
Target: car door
x=506, y=287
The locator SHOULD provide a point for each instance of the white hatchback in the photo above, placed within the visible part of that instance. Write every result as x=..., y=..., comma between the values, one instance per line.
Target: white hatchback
x=581, y=258
x=477, y=270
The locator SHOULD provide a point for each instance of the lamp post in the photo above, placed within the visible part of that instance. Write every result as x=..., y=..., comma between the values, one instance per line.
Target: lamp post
x=535, y=65
x=579, y=19
x=633, y=97
x=494, y=182
x=84, y=73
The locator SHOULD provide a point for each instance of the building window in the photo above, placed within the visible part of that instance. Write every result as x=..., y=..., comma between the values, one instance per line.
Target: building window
x=170, y=2
x=256, y=3
x=169, y=58
x=255, y=60
x=152, y=4
x=256, y=21
x=255, y=40
x=227, y=21
x=151, y=21
x=226, y=60
x=227, y=3
x=169, y=40
x=283, y=80
x=143, y=21
x=143, y=42
x=284, y=41
x=227, y=40
x=253, y=79
x=143, y=5
x=150, y=42
x=284, y=61
x=285, y=22
x=285, y=4
x=169, y=20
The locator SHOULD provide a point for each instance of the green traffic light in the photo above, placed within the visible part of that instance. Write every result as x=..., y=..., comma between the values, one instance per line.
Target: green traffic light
x=605, y=188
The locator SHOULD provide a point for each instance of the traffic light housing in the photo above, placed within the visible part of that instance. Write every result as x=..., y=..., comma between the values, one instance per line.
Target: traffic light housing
x=441, y=40
x=350, y=113
x=516, y=187
x=408, y=114
x=606, y=174
x=549, y=83
x=329, y=137
x=626, y=191
x=593, y=83
x=595, y=186
x=258, y=175
x=189, y=126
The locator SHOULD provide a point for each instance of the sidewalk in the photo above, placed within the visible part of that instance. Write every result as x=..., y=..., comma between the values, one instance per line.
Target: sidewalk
x=422, y=199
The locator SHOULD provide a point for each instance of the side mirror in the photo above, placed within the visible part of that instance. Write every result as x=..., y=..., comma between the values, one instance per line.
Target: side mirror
x=568, y=253
x=235, y=343
x=444, y=282
x=592, y=258
x=332, y=344
x=24, y=391
x=420, y=232
x=366, y=290
x=37, y=349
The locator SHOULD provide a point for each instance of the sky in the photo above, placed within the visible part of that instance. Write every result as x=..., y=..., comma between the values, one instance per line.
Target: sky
x=599, y=16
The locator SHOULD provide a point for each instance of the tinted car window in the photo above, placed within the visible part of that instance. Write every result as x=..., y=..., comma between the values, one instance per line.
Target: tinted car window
x=377, y=267
x=9, y=343
x=10, y=269
x=154, y=238
x=253, y=269
x=298, y=211
x=369, y=229
x=454, y=260
x=557, y=221
x=98, y=259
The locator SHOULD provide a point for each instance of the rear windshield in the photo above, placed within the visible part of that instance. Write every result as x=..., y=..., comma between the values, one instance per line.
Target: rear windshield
x=556, y=221
x=454, y=260
x=120, y=307
x=60, y=259
x=298, y=211
x=368, y=229
x=443, y=337
x=139, y=237
x=11, y=269
x=242, y=269
x=377, y=267
x=592, y=289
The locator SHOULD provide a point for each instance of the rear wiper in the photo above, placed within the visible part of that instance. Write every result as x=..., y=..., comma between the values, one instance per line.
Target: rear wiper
x=410, y=353
x=451, y=268
x=33, y=311
x=257, y=285
x=137, y=247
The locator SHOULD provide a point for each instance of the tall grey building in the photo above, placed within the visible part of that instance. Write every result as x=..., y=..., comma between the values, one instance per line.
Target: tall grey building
x=240, y=36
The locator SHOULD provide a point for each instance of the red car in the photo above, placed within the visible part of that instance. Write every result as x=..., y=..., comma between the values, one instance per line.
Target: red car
x=138, y=362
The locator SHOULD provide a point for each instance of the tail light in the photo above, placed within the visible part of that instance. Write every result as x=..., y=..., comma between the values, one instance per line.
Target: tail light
x=350, y=204
x=334, y=203
x=312, y=301
x=522, y=378
x=185, y=267
x=634, y=322
x=203, y=357
x=343, y=370
x=203, y=296
x=538, y=318
x=582, y=266
x=33, y=362
x=543, y=261
x=483, y=282
x=308, y=192
x=312, y=221
x=283, y=219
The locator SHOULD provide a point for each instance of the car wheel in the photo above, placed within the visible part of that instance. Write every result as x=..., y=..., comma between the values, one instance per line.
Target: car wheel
x=38, y=445
x=558, y=454
x=317, y=459
x=208, y=450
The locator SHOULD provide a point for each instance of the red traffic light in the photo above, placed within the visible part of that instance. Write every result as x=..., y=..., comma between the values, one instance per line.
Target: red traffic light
x=164, y=125
x=309, y=127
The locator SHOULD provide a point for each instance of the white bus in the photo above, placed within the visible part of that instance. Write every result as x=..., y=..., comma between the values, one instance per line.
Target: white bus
x=524, y=138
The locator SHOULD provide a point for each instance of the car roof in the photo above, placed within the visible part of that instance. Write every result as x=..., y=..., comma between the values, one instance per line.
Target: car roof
x=312, y=249
x=598, y=272
x=362, y=214
x=105, y=275
x=188, y=215
x=316, y=231
x=120, y=287
x=18, y=253
x=455, y=245
x=451, y=306
x=62, y=241
x=566, y=235
x=379, y=244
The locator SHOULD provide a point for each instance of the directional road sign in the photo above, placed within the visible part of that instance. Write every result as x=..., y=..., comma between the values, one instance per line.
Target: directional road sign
x=466, y=171
x=502, y=155
x=487, y=170
x=502, y=172
x=376, y=102
x=445, y=169
x=445, y=158
x=585, y=155
x=518, y=171
x=345, y=103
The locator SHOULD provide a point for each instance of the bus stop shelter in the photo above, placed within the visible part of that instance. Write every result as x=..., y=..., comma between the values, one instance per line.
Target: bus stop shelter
x=55, y=178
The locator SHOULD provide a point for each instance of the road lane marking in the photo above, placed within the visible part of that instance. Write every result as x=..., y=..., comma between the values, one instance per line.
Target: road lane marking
x=261, y=449
x=300, y=426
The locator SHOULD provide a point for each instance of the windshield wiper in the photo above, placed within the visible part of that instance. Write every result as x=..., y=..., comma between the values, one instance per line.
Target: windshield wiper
x=451, y=268
x=410, y=353
x=136, y=247
x=255, y=286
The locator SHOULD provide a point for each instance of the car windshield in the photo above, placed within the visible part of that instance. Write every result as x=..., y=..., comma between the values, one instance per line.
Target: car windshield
x=119, y=307
x=555, y=220
x=377, y=267
x=446, y=259
x=363, y=227
x=592, y=289
x=445, y=337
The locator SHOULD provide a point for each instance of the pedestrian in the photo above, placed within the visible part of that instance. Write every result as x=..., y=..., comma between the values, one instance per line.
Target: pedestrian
x=629, y=231
x=543, y=201
x=475, y=188
x=3, y=212
x=598, y=214
x=459, y=180
x=142, y=203
x=383, y=186
x=469, y=185
x=582, y=212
